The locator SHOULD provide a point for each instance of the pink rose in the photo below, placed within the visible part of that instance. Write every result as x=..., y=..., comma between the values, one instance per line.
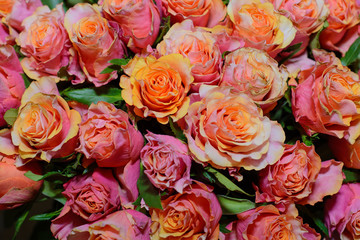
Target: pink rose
x=120, y=225
x=108, y=137
x=45, y=44
x=266, y=222
x=166, y=162
x=89, y=198
x=327, y=99
x=204, y=13
x=227, y=129
x=138, y=20
x=193, y=214
x=12, y=84
x=199, y=46
x=15, y=188
x=255, y=73
x=299, y=176
x=95, y=40
x=342, y=213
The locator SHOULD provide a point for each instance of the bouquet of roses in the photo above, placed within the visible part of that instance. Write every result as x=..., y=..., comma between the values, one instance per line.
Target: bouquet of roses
x=166, y=119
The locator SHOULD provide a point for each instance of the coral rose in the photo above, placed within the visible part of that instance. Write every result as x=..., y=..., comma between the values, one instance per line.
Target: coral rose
x=255, y=73
x=342, y=213
x=260, y=26
x=120, y=225
x=194, y=214
x=89, y=198
x=45, y=43
x=299, y=176
x=12, y=84
x=158, y=87
x=266, y=222
x=199, y=46
x=327, y=100
x=348, y=153
x=166, y=162
x=45, y=128
x=15, y=188
x=343, y=18
x=95, y=40
x=107, y=136
x=226, y=129
x=138, y=20
x=204, y=13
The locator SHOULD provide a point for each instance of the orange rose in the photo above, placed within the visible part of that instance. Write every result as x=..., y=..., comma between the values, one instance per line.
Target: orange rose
x=348, y=153
x=260, y=26
x=204, y=13
x=45, y=127
x=158, y=87
x=199, y=46
x=95, y=40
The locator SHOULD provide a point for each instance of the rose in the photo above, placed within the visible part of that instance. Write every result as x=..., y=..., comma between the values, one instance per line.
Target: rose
x=11, y=83
x=45, y=127
x=107, y=136
x=342, y=213
x=89, y=198
x=95, y=40
x=166, y=162
x=226, y=129
x=327, y=98
x=157, y=87
x=266, y=222
x=45, y=43
x=260, y=26
x=255, y=73
x=15, y=188
x=343, y=18
x=194, y=214
x=299, y=176
x=346, y=152
x=125, y=224
x=199, y=46
x=139, y=21
x=204, y=13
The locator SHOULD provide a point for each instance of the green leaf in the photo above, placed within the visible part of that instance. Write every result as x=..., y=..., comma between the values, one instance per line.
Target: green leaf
x=20, y=221
x=294, y=49
x=10, y=116
x=36, y=177
x=147, y=191
x=352, y=54
x=351, y=175
x=26, y=79
x=314, y=217
x=223, y=229
x=177, y=131
x=315, y=43
x=226, y=182
x=164, y=29
x=45, y=216
x=120, y=61
x=53, y=190
x=51, y=3
x=93, y=95
x=233, y=206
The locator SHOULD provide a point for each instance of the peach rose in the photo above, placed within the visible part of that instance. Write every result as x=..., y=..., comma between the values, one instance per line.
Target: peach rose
x=226, y=129
x=299, y=176
x=12, y=84
x=194, y=214
x=266, y=222
x=342, y=213
x=327, y=100
x=344, y=15
x=120, y=225
x=348, y=153
x=15, y=188
x=260, y=26
x=45, y=128
x=199, y=46
x=107, y=136
x=255, y=73
x=95, y=40
x=139, y=21
x=158, y=87
x=204, y=13
x=166, y=162
x=45, y=43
